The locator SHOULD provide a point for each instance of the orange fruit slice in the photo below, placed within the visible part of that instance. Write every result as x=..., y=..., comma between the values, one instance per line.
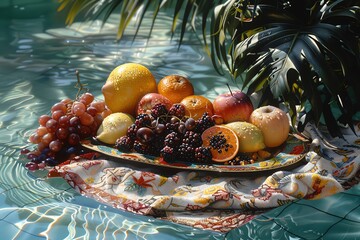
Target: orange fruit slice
x=223, y=143
x=196, y=106
x=175, y=88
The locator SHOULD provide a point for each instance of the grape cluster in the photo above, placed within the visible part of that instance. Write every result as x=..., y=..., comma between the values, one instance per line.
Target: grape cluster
x=59, y=133
x=169, y=134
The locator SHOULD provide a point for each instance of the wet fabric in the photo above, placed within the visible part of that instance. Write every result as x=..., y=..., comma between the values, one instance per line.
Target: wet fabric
x=219, y=203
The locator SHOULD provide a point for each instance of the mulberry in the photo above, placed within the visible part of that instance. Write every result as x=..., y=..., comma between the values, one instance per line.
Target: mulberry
x=204, y=123
x=131, y=131
x=177, y=110
x=124, y=144
x=203, y=155
x=192, y=138
x=143, y=120
x=186, y=152
x=148, y=149
x=168, y=154
x=173, y=139
x=159, y=110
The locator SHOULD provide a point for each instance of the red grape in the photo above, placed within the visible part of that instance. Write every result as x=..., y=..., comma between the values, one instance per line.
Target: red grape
x=73, y=139
x=106, y=113
x=72, y=129
x=84, y=131
x=74, y=121
x=43, y=119
x=64, y=121
x=86, y=119
x=98, y=119
x=57, y=114
x=87, y=98
x=34, y=138
x=66, y=101
x=59, y=106
x=41, y=146
x=51, y=125
x=92, y=111
x=100, y=106
x=55, y=145
x=62, y=133
x=47, y=138
x=78, y=108
x=41, y=131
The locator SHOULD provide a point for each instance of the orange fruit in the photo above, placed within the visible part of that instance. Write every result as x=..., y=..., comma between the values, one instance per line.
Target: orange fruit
x=197, y=105
x=126, y=85
x=223, y=142
x=175, y=87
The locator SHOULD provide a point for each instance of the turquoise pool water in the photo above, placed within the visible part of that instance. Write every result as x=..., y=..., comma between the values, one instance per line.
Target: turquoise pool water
x=38, y=60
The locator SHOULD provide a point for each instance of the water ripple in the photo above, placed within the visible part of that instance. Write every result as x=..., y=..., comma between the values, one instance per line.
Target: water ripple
x=37, y=68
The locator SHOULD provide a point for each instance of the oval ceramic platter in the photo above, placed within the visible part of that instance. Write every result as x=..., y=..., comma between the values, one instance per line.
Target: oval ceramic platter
x=290, y=154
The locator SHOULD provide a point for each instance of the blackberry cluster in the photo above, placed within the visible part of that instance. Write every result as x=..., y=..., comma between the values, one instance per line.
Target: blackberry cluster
x=186, y=152
x=192, y=138
x=173, y=139
x=124, y=144
x=168, y=134
x=159, y=110
x=143, y=120
x=204, y=123
x=168, y=153
x=131, y=131
x=203, y=155
x=144, y=148
x=177, y=110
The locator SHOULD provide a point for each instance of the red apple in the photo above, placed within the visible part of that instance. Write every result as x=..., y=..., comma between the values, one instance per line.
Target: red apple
x=149, y=100
x=273, y=123
x=233, y=106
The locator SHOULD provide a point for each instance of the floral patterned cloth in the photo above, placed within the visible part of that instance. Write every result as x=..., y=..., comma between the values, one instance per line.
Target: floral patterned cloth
x=218, y=203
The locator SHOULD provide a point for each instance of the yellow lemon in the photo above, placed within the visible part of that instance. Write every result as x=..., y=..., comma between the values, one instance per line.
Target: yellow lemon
x=250, y=136
x=113, y=127
x=126, y=85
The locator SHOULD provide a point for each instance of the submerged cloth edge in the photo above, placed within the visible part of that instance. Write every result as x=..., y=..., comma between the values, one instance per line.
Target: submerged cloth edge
x=217, y=203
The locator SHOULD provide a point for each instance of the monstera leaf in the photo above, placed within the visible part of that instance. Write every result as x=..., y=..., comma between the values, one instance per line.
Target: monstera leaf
x=308, y=59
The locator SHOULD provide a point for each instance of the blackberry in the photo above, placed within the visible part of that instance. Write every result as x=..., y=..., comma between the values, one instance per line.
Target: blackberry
x=124, y=144
x=192, y=138
x=168, y=153
x=131, y=131
x=204, y=123
x=177, y=110
x=148, y=149
x=203, y=155
x=157, y=144
x=173, y=139
x=159, y=110
x=186, y=152
x=143, y=120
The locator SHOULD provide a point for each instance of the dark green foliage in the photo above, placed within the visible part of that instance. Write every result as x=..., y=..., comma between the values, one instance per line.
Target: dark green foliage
x=304, y=53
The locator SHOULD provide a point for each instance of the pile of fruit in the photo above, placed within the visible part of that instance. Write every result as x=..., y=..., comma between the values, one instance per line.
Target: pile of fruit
x=165, y=119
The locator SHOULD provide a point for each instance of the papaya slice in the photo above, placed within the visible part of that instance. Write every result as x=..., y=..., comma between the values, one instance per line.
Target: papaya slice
x=222, y=141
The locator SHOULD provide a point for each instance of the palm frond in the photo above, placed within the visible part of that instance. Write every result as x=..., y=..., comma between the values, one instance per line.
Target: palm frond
x=302, y=53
